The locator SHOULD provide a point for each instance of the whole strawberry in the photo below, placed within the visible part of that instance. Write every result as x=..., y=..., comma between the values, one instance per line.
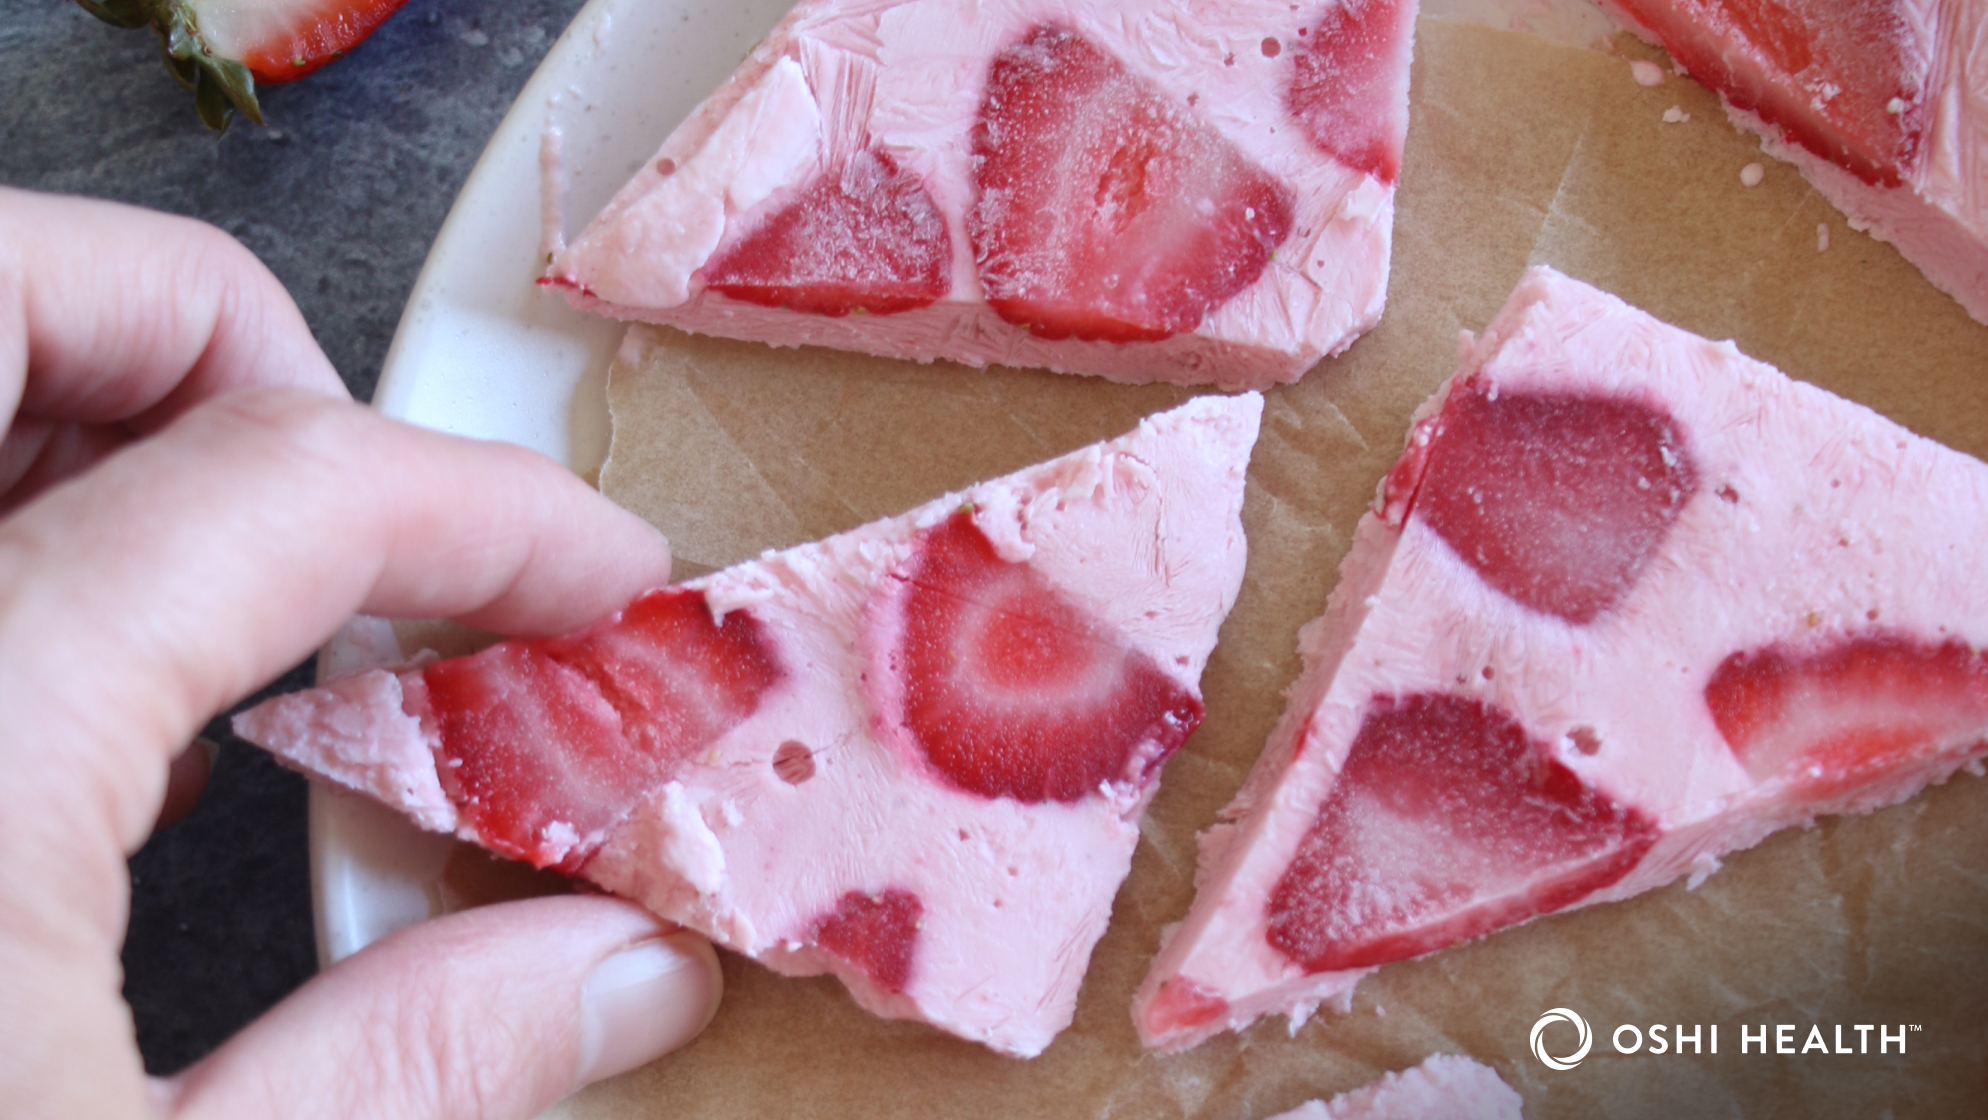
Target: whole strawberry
x=220, y=49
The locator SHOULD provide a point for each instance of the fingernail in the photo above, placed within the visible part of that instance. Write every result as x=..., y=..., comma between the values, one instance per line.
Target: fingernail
x=644, y=1002
x=210, y=748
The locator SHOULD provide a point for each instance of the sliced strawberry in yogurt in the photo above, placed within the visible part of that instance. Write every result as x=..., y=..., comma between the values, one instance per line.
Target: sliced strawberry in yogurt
x=1877, y=102
x=1105, y=209
x=1448, y=821
x=1829, y=720
x=877, y=933
x=544, y=744
x=679, y=677
x=864, y=238
x=531, y=754
x=1842, y=78
x=1183, y=1005
x=1557, y=499
x=1350, y=89
x=1010, y=690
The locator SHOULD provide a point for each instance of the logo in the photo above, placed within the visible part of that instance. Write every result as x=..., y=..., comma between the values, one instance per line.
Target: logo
x=1561, y=1015
x=1703, y=1038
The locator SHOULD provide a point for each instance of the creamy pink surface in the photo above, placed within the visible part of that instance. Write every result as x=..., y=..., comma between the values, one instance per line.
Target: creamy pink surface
x=908, y=75
x=361, y=736
x=1938, y=217
x=1837, y=514
x=1443, y=1087
x=1144, y=532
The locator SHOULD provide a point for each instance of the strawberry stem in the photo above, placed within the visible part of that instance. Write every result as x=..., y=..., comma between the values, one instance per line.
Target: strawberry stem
x=221, y=86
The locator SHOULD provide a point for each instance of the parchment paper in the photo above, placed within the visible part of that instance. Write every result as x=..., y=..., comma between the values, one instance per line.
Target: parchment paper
x=1519, y=152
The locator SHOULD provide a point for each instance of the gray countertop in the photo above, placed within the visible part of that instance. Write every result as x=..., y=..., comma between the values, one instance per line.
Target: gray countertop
x=340, y=195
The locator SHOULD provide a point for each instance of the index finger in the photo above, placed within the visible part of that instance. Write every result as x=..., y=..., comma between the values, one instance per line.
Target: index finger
x=113, y=314
x=185, y=571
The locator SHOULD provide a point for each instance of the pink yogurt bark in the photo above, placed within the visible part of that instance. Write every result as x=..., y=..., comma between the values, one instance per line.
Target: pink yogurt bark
x=1443, y=1087
x=1882, y=104
x=913, y=755
x=1142, y=190
x=1628, y=602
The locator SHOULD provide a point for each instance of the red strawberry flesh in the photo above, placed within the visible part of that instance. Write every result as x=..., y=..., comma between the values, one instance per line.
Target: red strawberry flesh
x=546, y=743
x=678, y=678
x=866, y=238
x=1104, y=210
x=1350, y=86
x=1447, y=822
x=1010, y=690
x=529, y=745
x=1558, y=500
x=1182, y=1004
x=877, y=933
x=1834, y=75
x=1834, y=719
x=283, y=40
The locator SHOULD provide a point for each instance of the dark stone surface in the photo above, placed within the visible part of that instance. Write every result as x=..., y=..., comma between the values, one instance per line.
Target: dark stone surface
x=341, y=194
x=220, y=907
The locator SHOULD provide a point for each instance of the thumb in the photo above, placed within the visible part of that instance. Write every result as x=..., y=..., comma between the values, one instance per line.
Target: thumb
x=486, y=1014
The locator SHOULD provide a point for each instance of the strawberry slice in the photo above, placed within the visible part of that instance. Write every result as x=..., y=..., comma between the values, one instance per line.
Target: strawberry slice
x=678, y=678
x=1833, y=720
x=1557, y=500
x=221, y=48
x=544, y=744
x=1181, y=1004
x=531, y=754
x=866, y=239
x=1009, y=690
x=1447, y=822
x=1105, y=211
x=1350, y=91
x=1837, y=76
x=878, y=933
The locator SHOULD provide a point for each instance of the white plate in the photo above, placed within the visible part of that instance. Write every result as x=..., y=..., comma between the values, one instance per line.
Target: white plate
x=482, y=351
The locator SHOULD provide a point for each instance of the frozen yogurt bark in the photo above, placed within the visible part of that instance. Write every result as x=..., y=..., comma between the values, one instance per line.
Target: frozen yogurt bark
x=1882, y=104
x=1443, y=1087
x=1142, y=190
x=1629, y=601
x=913, y=755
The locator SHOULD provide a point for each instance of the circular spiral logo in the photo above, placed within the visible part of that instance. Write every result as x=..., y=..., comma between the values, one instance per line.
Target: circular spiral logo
x=1561, y=1015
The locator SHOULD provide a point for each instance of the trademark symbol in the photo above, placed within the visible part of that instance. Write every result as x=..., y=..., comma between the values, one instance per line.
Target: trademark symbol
x=1914, y=1026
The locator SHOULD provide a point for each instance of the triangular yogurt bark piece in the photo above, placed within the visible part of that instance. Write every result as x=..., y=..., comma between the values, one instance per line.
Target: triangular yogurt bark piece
x=913, y=755
x=1442, y=1087
x=1141, y=190
x=1882, y=105
x=1629, y=601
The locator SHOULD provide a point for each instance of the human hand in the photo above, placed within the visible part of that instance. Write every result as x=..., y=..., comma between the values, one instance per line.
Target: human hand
x=192, y=504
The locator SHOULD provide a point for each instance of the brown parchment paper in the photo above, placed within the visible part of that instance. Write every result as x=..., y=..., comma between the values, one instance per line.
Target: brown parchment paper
x=1519, y=152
